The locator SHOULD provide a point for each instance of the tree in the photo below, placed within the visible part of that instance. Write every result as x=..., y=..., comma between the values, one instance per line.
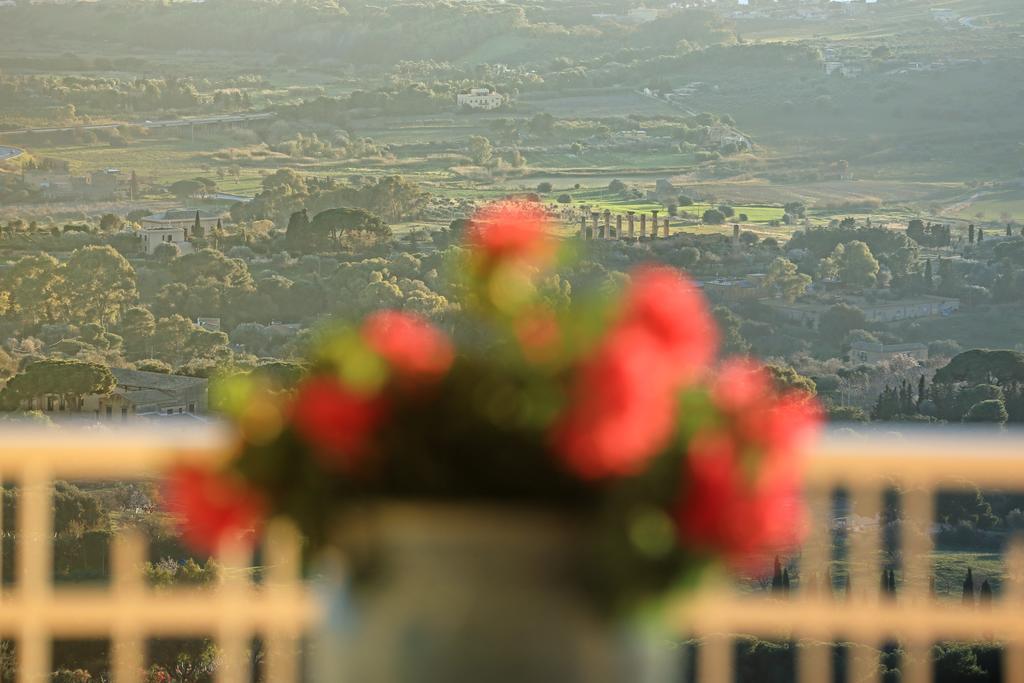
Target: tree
x=544, y=187
x=480, y=150
x=198, y=231
x=783, y=274
x=110, y=223
x=796, y=209
x=98, y=285
x=69, y=379
x=136, y=328
x=166, y=253
x=576, y=149
x=713, y=217
x=968, y=589
x=787, y=379
x=837, y=321
x=616, y=186
x=35, y=287
x=992, y=410
x=726, y=210
x=859, y=267
x=186, y=189
x=729, y=324
x=328, y=228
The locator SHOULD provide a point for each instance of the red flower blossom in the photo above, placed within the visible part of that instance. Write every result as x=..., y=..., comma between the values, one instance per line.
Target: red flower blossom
x=213, y=508
x=740, y=383
x=665, y=303
x=414, y=348
x=336, y=421
x=737, y=508
x=538, y=335
x=775, y=423
x=511, y=231
x=622, y=408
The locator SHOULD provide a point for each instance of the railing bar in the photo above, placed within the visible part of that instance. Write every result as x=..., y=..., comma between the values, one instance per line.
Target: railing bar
x=863, y=665
x=34, y=558
x=127, y=551
x=916, y=664
x=814, y=662
x=918, y=516
x=715, y=659
x=234, y=633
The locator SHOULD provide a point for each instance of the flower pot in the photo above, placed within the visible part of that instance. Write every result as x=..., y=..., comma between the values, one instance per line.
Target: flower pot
x=475, y=594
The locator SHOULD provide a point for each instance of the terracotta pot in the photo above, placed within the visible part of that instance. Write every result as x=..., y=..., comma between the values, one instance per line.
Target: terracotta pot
x=475, y=594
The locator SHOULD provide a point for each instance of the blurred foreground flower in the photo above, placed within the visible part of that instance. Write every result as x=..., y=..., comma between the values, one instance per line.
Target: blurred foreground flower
x=214, y=509
x=614, y=414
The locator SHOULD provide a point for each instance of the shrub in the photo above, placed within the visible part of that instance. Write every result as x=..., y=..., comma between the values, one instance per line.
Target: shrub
x=544, y=187
x=564, y=199
x=713, y=217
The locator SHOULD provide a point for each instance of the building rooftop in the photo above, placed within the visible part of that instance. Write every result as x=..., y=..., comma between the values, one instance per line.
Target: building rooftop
x=887, y=348
x=182, y=214
x=141, y=379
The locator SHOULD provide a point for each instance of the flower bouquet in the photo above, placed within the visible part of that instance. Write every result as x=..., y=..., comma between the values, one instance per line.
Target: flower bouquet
x=503, y=496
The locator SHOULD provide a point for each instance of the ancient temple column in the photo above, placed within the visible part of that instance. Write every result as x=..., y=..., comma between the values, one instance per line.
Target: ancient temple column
x=665, y=226
x=632, y=231
x=643, y=226
x=618, y=226
x=606, y=229
x=654, y=223
x=583, y=227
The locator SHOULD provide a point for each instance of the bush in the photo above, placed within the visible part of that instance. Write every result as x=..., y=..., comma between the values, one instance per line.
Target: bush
x=713, y=217
x=744, y=218
x=683, y=200
x=726, y=210
x=544, y=187
x=564, y=199
x=616, y=186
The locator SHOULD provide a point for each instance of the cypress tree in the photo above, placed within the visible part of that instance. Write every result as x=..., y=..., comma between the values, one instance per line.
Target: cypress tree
x=985, y=595
x=968, y=596
x=785, y=581
x=885, y=582
x=1009, y=233
x=981, y=235
x=777, y=576
x=892, y=582
x=928, y=280
x=920, y=390
x=970, y=234
x=197, y=229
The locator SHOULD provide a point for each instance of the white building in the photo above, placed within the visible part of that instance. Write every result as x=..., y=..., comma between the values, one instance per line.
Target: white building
x=480, y=98
x=175, y=226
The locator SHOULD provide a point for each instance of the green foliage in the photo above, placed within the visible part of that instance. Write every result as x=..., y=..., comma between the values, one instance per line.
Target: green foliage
x=839, y=320
x=992, y=410
x=66, y=378
x=783, y=274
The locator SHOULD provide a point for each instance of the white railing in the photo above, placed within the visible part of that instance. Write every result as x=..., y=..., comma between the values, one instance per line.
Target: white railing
x=34, y=611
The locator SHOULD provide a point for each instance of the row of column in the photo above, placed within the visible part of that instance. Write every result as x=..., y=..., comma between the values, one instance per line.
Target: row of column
x=592, y=231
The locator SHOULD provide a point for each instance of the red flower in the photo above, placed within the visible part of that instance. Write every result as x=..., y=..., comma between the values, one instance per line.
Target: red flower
x=624, y=396
x=538, y=334
x=336, y=421
x=741, y=383
x=740, y=509
x=743, y=389
x=622, y=408
x=414, y=348
x=511, y=231
x=213, y=508
x=665, y=303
